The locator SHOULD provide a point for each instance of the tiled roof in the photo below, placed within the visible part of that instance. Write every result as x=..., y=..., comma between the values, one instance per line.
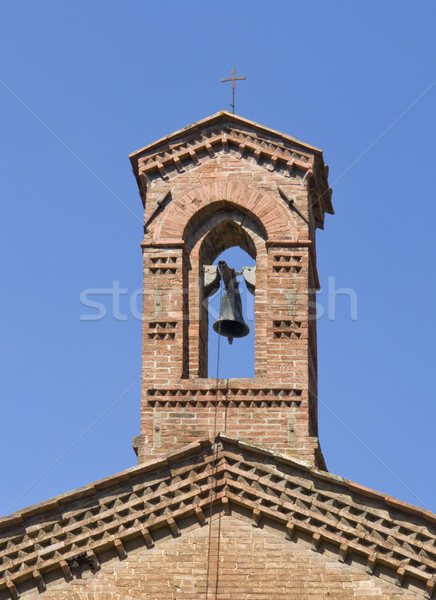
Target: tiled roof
x=165, y=493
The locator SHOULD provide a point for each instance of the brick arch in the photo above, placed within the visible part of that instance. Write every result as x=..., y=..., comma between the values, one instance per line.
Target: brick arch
x=227, y=233
x=272, y=212
x=207, y=218
x=219, y=226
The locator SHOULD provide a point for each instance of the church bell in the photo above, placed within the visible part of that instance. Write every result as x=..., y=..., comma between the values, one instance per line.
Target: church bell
x=230, y=322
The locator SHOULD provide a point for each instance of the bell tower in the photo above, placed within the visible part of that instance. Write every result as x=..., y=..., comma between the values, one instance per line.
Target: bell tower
x=223, y=182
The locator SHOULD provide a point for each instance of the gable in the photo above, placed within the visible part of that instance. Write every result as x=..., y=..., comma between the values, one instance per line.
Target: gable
x=216, y=120
x=158, y=507
x=227, y=135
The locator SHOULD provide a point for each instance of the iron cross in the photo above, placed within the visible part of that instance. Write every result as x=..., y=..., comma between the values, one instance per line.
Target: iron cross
x=233, y=79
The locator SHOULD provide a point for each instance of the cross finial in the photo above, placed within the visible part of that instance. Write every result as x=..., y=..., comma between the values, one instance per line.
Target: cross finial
x=233, y=79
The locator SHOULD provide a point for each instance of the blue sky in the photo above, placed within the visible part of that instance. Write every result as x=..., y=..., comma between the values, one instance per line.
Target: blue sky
x=83, y=84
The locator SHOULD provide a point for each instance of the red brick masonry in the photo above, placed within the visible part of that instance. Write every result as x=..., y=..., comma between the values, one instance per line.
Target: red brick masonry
x=222, y=182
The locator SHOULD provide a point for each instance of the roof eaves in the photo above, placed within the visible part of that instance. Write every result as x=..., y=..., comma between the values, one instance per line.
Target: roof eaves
x=88, y=490
x=326, y=476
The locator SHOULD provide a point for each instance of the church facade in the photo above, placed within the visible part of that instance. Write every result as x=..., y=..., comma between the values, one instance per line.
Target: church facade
x=231, y=497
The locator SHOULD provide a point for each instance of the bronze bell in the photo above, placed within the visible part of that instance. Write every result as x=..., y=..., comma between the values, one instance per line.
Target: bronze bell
x=230, y=323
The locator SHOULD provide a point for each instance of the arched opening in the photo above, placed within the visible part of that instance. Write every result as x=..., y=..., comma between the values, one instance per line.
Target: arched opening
x=228, y=223
x=228, y=241
x=237, y=359
x=219, y=227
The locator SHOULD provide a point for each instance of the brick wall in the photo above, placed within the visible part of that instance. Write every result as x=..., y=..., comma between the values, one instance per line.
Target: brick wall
x=275, y=416
x=253, y=564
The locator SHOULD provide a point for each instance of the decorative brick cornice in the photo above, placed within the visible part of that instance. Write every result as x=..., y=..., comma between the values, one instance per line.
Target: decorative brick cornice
x=307, y=504
x=223, y=394
x=180, y=157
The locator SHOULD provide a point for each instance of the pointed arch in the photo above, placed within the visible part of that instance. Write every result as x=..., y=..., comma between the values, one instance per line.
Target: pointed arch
x=271, y=211
x=220, y=226
x=213, y=229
